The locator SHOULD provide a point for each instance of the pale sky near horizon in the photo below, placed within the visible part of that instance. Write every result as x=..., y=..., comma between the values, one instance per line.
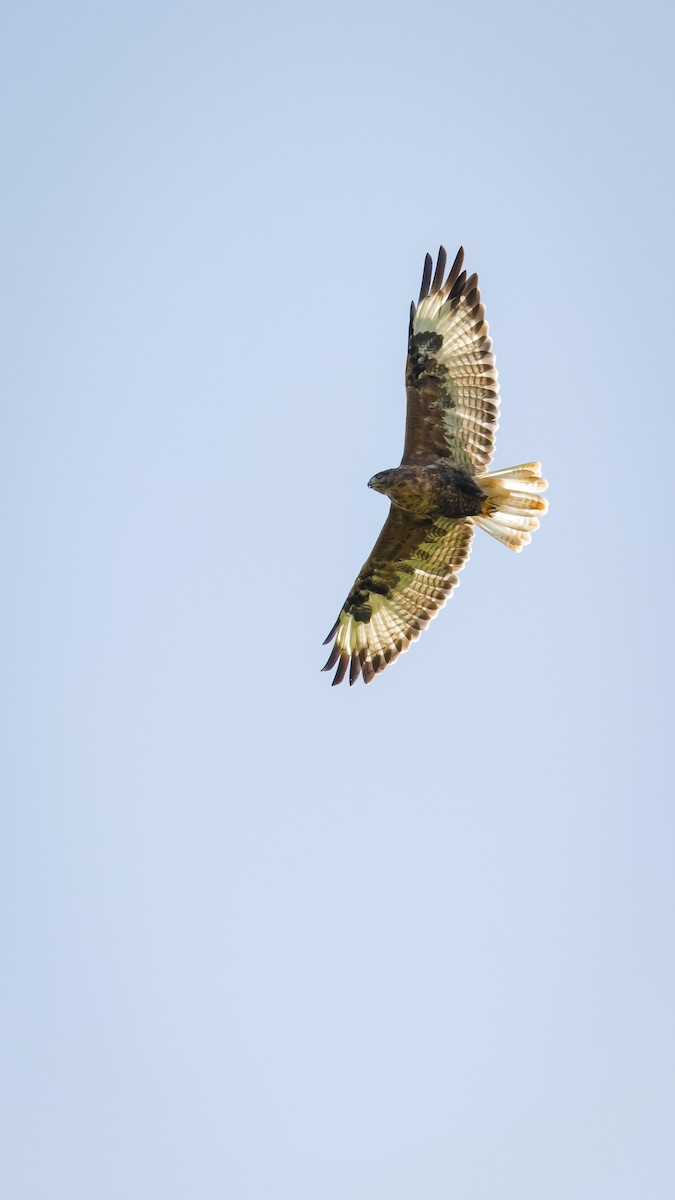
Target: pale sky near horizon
x=260, y=937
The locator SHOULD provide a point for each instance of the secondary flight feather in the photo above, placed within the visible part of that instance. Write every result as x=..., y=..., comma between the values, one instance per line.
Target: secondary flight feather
x=442, y=489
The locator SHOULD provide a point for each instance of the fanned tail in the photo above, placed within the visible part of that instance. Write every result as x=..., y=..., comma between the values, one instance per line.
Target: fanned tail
x=513, y=505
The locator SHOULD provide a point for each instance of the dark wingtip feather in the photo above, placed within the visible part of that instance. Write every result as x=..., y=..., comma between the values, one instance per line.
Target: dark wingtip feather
x=456, y=289
x=342, y=669
x=413, y=310
x=354, y=669
x=426, y=277
x=440, y=271
x=366, y=667
x=332, y=658
x=471, y=290
x=332, y=633
x=454, y=270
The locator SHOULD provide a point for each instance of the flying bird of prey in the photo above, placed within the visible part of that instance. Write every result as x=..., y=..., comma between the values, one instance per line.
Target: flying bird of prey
x=441, y=490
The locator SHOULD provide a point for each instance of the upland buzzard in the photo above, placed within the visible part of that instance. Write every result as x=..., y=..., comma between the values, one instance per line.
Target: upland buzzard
x=441, y=490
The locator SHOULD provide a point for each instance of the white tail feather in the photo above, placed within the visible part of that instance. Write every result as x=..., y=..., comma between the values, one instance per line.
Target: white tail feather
x=512, y=501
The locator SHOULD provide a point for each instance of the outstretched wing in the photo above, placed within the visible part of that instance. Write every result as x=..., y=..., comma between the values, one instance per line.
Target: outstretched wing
x=400, y=588
x=451, y=379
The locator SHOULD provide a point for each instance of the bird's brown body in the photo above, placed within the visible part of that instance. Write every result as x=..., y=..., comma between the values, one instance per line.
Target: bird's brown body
x=438, y=490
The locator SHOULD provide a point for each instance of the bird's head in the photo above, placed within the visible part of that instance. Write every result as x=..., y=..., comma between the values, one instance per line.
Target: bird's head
x=382, y=482
x=409, y=488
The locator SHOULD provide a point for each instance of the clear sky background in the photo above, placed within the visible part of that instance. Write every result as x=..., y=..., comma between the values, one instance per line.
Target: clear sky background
x=262, y=938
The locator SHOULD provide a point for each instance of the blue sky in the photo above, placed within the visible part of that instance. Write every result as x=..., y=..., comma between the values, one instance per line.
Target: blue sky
x=260, y=936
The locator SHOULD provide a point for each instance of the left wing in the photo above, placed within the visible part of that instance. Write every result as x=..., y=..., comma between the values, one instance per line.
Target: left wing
x=451, y=378
x=403, y=584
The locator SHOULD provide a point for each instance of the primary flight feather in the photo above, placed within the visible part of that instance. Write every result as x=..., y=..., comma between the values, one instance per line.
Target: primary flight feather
x=441, y=490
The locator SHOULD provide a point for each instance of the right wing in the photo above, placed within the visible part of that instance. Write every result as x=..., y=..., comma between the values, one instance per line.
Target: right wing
x=407, y=579
x=451, y=378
